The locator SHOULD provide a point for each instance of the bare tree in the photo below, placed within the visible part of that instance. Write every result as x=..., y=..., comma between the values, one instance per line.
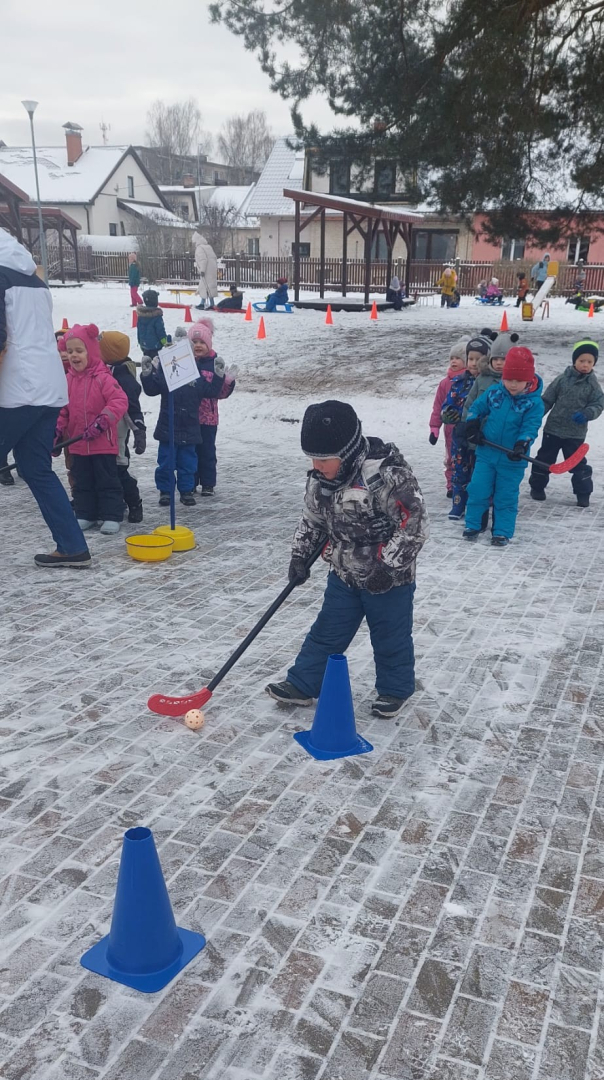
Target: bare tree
x=245, y=142
x=155, y=240
x=176, y=130
x=218, y=224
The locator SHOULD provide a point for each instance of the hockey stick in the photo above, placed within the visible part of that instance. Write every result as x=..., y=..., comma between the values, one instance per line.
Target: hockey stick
x=561, y=467
x=177, y=706
x=59, y=446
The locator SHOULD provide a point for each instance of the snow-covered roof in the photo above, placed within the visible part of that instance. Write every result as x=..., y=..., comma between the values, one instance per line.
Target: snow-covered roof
x=60, y=182
x=284, y=166
x=159, y=214
x=179, y=189
x=237, y=196
x=101, y=244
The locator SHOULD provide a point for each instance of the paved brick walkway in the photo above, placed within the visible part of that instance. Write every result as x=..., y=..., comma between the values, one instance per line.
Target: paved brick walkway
x=431, y=911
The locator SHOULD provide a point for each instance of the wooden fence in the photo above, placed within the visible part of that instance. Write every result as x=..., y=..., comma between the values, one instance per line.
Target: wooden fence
x=257, y=271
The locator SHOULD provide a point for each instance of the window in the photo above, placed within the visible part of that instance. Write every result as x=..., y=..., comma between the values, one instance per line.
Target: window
x=434, y=244
x=112, y=228
x=379, y=249
x=385, y=178
x=130, y=187
x=512, y=249
x=253, y=245
x=339, y=178
x=578, y=248
x=304, y=251
x=183, y=210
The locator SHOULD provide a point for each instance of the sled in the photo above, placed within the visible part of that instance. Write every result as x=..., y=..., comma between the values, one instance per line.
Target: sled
x=281, y=309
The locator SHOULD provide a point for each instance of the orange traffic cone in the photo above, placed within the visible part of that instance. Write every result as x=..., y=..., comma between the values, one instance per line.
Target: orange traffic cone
x=374, y=313
x=261, y=328
x=248, y=313
x=329, y=316
x=590, y=314
x=65, y=325
x=134, y=319
x=504, y=323
x=188, y=315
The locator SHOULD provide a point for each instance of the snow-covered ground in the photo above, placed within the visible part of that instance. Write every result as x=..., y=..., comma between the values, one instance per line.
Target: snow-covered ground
x=433, y=909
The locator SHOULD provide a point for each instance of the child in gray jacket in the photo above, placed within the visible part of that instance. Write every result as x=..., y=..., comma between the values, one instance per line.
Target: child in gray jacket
x=573, y=399
x=492, y=366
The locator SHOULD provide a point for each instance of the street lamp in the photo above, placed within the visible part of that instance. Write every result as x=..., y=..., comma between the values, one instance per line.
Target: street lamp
x=30, y=108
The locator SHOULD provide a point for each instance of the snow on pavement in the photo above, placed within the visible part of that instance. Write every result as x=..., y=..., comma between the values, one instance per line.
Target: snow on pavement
x=433, y=909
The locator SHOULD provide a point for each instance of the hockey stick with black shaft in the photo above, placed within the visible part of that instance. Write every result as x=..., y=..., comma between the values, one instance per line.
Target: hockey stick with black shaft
x=560, y=467
x=59, y=446
x=177, y=706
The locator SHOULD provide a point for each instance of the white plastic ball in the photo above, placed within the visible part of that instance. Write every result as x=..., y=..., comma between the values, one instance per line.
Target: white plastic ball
x=194, y=719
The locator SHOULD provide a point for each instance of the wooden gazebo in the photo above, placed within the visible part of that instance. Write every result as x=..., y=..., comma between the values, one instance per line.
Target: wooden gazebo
x=363, y=217
x=20, y=217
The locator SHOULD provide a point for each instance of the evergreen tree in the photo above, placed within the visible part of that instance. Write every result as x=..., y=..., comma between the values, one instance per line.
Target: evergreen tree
x=486, y=104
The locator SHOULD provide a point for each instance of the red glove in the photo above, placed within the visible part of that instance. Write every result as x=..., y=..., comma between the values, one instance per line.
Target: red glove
x=57, y=439
x=96, y=428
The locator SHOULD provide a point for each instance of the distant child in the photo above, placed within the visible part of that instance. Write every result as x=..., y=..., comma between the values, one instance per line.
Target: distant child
x=96, y=404
x=234, y=302
x=134, y=279
x=187, y=432
x=447, y=284
x=150, y=329
x=482, y=289
x=575, y=398
x=493, y=292
x=115, y=348
x=457, y=364
x=462, y=455
x=509, y=414
x=394, y=293
x=522, y=289
x=200, y=336
x=491, y=368
x=279, y=296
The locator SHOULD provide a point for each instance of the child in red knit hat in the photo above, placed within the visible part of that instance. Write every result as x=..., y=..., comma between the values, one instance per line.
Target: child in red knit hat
x=509, y=414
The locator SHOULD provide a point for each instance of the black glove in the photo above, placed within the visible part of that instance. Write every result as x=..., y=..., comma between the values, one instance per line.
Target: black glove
x=520, y=448
x=433, y=439
x=298, y=571
x=379, y=580
x=450, y=415
x=140, y=439
x=473, y=434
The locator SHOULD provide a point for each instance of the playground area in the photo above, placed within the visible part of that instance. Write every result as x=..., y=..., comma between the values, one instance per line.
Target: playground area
x=432, y=910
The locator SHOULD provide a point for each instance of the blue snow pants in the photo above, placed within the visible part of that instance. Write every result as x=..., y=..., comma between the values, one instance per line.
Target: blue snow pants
x=390, y=620
x=495, y=478
x=185, y=457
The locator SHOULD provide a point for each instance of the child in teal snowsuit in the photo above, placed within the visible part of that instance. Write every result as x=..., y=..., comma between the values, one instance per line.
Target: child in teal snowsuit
x=509, y=414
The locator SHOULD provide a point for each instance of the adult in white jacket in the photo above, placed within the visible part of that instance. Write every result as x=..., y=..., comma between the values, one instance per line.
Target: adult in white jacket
x=207, y=265
x=33, y=389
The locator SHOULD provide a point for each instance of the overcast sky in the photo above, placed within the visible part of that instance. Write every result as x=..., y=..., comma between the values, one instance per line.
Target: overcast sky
x=93, y=60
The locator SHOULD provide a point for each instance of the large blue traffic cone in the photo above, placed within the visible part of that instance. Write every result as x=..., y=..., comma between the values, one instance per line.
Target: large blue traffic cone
x=333, y=733
x=145, y=948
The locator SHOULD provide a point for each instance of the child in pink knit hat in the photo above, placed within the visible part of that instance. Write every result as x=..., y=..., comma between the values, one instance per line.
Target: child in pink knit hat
x=200, y=335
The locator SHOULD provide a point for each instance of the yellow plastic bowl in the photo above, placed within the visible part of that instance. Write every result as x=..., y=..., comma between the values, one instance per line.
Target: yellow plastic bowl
x=184, y=539
x=149, y=548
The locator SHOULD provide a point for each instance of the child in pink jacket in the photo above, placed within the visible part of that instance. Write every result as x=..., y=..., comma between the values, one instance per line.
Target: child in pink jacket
x=200, y=335
x=96, y=404
x=457, y=363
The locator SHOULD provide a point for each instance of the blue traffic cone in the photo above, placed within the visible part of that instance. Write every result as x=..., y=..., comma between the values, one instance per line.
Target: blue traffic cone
x=145, y=948
x=333, y=733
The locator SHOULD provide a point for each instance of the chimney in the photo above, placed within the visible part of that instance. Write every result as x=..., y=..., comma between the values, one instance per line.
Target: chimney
x=73, y=140
x=188, y=180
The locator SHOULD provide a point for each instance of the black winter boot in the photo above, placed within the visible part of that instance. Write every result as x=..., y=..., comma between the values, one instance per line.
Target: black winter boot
x=207, y=491
x=582, y=500
x=537, y=495
x=187, y=498
x=135, y=513
x=6, y=479
x=164, y=498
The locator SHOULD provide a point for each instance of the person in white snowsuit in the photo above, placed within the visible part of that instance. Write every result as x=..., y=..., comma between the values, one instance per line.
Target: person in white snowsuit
x=207, y=265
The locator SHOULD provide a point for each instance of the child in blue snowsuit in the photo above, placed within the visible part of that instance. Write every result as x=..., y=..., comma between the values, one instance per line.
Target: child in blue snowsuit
x=150, y=329
x=462, y=455
x=510, y=414
x=279, y=296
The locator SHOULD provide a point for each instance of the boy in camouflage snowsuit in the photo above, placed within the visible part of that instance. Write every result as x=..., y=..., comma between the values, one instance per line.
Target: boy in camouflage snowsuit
x=364, y=501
